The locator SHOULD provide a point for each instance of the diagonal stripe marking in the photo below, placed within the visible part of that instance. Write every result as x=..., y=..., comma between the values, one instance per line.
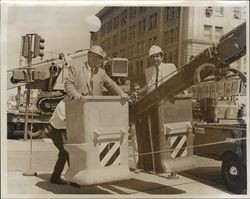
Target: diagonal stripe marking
x=102, y=146
x=177, y=140
x=109, y=154
x=172, y=140
x=184, y=154
x=114, y=157
x=117, y=161
x=180, y=144
x=181, y=151
x=104, y=152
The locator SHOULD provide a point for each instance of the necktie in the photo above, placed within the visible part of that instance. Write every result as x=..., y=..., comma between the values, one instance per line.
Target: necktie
x=91, y=80
x=156, y=78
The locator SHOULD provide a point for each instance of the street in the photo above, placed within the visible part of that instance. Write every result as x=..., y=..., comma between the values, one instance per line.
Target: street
x=206, y=179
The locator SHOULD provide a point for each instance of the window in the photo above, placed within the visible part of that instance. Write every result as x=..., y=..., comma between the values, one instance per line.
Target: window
x=175, y=57
x=137, y=68
x=141, y=67
x=218, y=32
x=170, y=57
x=116, y=22
x=152, y=21
x=148, y=62
x=132, y=13
x=149, y=42
x=172, y=13
x=219, y=11
x=94, y=36
x=139, y=47
x=103, y=30
x=176, y=12
x=172, y=36
x=165, y=14
x=123, y=36
x=143, y=46
x=166, y=10
x=108, y=45
x=165, y=58
x=208, y=32
x=124, y=17
x=166, y=38
x=177, y=34
x=154, y=40
x=130, y=69
x=131, y=32
x=141, y=10
x=115, y=39
x=237, y=12
x=109, y=26
x=132, y=50
x=209, y=11
x=141, y=26
x=103, y=45
x=122, y=52
x=133, y=69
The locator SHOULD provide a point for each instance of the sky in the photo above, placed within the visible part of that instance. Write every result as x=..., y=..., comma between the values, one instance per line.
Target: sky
x=63, y=27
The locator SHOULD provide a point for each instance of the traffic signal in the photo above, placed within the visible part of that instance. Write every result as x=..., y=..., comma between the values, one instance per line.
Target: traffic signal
x=19, y=76
x=25, y=46
x=38, y=46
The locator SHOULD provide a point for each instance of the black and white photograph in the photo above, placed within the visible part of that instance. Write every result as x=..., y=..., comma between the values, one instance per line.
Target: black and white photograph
x=137, y=99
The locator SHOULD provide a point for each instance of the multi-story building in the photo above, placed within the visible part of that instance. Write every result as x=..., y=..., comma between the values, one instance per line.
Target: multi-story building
x=180, y=31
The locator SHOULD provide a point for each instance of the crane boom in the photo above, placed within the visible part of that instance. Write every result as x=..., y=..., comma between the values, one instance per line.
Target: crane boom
x=231, y=47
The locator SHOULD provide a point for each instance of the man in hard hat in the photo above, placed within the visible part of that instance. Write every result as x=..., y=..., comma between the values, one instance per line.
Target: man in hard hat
x=83, y=80
x=158, y=72
x=90, y=78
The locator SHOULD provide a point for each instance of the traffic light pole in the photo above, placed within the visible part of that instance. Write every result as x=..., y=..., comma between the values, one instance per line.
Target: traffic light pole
x=29, y=60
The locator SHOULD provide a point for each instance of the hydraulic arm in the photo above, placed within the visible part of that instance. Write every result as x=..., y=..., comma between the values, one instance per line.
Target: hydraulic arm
x=215, y=59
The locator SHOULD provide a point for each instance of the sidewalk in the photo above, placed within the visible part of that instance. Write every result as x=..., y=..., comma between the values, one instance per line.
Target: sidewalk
x=43, y=159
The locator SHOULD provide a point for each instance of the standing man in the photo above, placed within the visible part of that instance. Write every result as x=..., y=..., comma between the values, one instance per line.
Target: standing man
x=86, y=79
x=158, y=72
x=57, y=129
x=90, y=78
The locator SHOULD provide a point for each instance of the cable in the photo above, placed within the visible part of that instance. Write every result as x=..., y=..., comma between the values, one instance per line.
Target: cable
x=191, y=147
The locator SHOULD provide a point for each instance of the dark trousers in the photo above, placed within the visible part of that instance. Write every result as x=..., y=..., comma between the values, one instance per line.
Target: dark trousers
x=58, y=137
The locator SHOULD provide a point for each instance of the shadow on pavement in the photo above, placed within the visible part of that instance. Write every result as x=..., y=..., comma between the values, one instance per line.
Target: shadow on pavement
x=67, y=189
x=140, y=186
x=207, y=175
x=131, y=186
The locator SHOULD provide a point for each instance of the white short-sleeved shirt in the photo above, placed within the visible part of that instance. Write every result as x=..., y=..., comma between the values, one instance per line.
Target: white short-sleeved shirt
x=164, y=71
x=58, y=117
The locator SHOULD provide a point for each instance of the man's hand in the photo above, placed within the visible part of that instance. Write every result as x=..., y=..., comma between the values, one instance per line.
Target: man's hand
x=125, y=96
x=76, y=96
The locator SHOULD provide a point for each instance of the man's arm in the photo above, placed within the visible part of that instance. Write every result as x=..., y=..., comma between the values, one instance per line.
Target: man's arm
x=112, y=86
x=72, y=93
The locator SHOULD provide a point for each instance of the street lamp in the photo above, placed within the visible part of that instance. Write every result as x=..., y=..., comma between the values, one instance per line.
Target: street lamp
x=93, y=23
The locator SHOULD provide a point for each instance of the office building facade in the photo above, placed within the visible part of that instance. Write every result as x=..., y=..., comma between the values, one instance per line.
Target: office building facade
x=180, y=31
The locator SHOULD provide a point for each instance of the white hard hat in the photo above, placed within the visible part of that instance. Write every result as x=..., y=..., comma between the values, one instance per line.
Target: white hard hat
x=97, y=50
x=155, y=49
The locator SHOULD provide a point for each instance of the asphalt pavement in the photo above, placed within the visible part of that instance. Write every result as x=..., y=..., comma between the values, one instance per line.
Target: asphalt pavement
x=142, y=184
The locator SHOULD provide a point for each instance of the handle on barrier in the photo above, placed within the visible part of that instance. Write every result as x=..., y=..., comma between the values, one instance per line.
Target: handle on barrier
x=177, y=128
x=99, y=137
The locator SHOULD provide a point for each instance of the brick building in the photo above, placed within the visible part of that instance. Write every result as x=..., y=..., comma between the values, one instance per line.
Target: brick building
x=180, y=31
